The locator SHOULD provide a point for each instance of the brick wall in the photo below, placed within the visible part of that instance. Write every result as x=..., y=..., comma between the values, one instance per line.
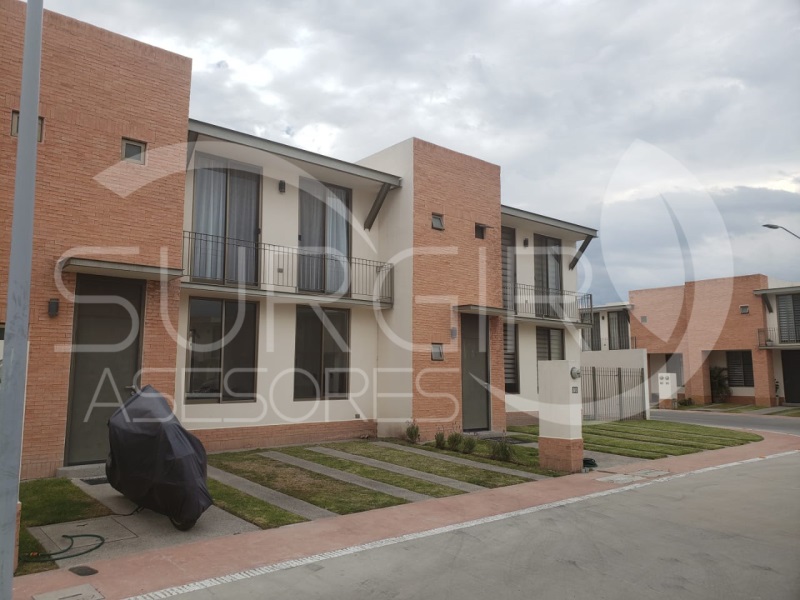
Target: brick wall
x=466, y=191
x=96, y=88
x=700, y=317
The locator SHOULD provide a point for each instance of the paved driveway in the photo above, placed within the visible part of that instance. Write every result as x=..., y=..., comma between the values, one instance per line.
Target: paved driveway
x=723, y=534
x=742, y=420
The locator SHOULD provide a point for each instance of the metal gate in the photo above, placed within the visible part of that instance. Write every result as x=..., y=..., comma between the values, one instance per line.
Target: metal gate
x=613, y=394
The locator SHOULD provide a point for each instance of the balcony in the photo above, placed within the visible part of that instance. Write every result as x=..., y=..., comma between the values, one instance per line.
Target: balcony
x=542, y=303
x=215, y=260
x=591, y=343
x=779, y=337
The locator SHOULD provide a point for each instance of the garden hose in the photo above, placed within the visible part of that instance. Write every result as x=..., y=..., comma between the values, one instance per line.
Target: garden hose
x=51, y=556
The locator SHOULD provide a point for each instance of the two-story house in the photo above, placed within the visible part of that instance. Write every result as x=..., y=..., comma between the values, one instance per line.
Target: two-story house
x=274, y=295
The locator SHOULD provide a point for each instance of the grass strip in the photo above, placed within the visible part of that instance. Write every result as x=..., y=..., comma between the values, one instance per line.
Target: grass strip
x=626, y=435
x=667, y=436
x=633, y=445
x=789, y=412
x=328, y=493
x=685, y=428
x=526, y=459
x=528, y=429
x=403, y=481
x=49, y=501
x=474, y=475
x=259, y=513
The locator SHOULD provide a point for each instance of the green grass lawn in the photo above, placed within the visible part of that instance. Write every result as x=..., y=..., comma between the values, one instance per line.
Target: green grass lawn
x=525, y=459
x=325, y=492
x=651, y=439
x=410, y=483
x=259, y=513
x=474, y=475
x=49, y=501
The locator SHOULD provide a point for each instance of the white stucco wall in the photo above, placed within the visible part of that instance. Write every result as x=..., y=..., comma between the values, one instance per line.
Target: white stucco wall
x=394, y=386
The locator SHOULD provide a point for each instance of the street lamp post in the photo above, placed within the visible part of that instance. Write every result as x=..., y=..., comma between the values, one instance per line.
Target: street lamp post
x=772, y=226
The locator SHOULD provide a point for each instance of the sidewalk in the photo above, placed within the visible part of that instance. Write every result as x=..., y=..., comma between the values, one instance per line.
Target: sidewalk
x=179, y=565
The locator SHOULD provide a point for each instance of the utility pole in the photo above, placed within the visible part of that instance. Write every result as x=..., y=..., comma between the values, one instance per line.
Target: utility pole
x=15, y=351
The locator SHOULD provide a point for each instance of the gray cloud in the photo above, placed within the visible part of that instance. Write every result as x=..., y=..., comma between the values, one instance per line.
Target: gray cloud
x=553, y=91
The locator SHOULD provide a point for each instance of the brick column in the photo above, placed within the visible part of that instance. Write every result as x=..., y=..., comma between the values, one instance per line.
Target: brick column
x=560, y=420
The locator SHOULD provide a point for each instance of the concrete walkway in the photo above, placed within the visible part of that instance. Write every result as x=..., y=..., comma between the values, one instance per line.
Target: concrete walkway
x=370, y=484
x=220, y=558
x=462, y=461
x=281, y=500
x=429, y=477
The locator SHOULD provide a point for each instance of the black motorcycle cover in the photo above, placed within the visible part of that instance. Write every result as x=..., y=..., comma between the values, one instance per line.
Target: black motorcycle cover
x=155, y=462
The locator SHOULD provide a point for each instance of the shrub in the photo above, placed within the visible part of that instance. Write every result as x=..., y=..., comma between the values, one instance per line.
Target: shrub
x=502, y=450
x=686, y=402
x=412, y=433
x=438, y=439
x=454, y=441
x=468, y=445
x=720, y=389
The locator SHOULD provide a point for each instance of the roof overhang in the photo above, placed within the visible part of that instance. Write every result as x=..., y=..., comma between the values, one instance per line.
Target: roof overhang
x=107, y=268
x=291, y=153
x=547, y=221
x=793, y=289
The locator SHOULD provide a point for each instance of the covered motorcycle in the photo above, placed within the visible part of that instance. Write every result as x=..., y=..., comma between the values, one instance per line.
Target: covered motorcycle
x=155, y=462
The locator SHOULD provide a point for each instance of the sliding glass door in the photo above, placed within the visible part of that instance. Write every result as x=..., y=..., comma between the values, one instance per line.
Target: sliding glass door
x=324, y=257
x=225, y=233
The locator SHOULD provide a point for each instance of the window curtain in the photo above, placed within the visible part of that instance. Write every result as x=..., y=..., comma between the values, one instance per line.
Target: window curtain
x=311, y=257
x=242, y=242
x=337, y=276
x=210, y=188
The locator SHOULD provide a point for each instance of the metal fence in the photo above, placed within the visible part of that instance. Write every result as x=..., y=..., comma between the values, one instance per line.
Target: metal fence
x=225, y=261
x=613, y=394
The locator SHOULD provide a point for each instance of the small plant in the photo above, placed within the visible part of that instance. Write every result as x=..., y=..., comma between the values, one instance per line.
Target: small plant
x=686, y=402
x=720, y=390
x=454, y=441
x=412, y=432
x=502, y=449
x=439, y=439
x=468, y=445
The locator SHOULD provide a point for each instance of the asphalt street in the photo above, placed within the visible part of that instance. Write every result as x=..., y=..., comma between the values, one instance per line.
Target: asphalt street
x=728, y=533
x=742, y=420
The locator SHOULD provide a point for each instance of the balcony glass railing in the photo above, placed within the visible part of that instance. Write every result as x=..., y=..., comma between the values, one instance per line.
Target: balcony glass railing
x=224, y=261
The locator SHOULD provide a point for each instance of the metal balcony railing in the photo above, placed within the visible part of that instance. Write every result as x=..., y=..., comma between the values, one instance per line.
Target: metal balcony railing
x=773, y=336
x=224, y=261
x=544, y=303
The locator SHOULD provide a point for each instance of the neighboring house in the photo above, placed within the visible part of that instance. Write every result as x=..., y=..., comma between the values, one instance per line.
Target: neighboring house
x=610, y=329
x=746, y=324
x=105, y=100
x=275, y=295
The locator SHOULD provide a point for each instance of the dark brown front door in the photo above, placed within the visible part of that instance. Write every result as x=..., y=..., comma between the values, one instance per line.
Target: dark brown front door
x=475, y=397
x=101, y=372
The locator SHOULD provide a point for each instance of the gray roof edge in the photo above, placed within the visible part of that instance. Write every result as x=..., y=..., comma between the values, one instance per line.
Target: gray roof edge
x=792, y=289
x=529, y=216
x=253, y=141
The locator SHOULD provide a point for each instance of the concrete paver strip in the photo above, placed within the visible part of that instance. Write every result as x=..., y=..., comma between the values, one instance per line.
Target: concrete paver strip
x=462, y=461
x=371, y=484
x=279, y=499
x=429, y=477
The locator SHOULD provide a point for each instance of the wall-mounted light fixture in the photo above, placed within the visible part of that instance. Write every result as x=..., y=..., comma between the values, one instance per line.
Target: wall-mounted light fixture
x=282, y=186
x=52, y=307
x=525, y=242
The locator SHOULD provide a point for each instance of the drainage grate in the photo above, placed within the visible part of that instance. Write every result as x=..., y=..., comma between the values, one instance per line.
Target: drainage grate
x=95, y=480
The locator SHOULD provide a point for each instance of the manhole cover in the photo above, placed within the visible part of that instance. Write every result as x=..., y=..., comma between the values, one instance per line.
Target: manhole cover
x=95, y=480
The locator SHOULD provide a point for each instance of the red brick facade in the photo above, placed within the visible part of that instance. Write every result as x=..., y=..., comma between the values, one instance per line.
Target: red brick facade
x=565, y=456
x=96, y=88
x=704, y=316
x=466, y=191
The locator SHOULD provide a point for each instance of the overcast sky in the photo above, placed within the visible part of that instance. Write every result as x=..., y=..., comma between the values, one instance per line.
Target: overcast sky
x=673, y=127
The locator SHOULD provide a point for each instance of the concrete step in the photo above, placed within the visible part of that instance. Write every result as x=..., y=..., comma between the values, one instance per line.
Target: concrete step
x=82, y=471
